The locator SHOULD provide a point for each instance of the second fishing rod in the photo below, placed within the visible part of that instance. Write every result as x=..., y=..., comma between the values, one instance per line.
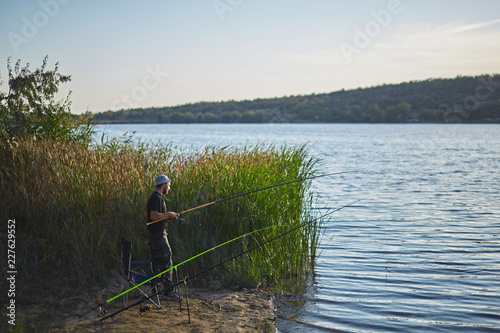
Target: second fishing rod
x=217, y=201
x=250, y=192
x=143, y=298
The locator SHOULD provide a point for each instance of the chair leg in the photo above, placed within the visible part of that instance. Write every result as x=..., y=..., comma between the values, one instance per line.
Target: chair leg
x=187, y=302
x=154, y=290
x=124, y=283
x=177, y=287
x=157, y=304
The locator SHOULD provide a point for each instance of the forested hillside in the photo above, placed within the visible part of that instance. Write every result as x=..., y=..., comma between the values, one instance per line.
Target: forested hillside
x=462, y=99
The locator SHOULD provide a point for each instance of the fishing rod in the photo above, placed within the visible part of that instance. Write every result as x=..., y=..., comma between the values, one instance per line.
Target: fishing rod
x=187, y=260
x=211, y=203
x=225, y=243
x=249, y=192
x=174, y=267
x=143, y=298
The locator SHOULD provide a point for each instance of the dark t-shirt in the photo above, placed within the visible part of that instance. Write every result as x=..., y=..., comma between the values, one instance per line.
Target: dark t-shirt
x=156, y=203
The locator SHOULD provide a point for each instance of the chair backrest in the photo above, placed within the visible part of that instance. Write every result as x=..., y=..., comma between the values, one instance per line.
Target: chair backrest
x=126, y=256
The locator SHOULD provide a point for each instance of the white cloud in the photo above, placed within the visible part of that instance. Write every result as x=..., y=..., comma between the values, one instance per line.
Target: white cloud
x=462, y=28
x=416, y=52
x=436, y=51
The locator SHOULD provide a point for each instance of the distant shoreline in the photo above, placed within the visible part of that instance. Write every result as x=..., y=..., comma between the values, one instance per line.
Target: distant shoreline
x=464, y=99
x=410, y=123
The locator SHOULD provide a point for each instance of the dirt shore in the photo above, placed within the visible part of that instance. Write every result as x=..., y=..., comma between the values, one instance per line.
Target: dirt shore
x=209, y=311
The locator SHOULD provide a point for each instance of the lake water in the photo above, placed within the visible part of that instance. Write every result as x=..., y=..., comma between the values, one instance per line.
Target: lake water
x=419, y=252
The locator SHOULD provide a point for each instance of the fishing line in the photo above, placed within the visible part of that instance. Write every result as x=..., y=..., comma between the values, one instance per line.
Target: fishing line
x=142, y=299
x=253, y=191
x=205, y=205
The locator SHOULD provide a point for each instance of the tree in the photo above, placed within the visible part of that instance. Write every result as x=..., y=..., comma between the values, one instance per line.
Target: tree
x=210, y=118
x=353, y=114
x=427, y=115
x=29, y=107
x=398, y=113
x=403, y=111
x=397, y=103
x=376, y=114
x=253, y=116
x=230, y=117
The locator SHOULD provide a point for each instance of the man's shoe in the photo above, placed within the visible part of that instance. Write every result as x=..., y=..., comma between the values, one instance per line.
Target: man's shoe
x=173, y=296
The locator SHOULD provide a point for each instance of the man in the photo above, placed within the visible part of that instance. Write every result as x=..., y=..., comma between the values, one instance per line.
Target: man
x=157, y=234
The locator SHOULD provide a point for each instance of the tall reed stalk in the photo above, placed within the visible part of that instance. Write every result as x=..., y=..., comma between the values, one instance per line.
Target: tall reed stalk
x=72, y=204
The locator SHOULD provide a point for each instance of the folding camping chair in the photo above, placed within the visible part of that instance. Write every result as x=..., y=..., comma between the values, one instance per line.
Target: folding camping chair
x=134, y=277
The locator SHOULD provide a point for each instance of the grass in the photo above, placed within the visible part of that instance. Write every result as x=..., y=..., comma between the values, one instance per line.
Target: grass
x=72, y=204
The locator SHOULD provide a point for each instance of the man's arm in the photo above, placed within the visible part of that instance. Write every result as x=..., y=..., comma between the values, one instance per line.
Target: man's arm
x=155, y=215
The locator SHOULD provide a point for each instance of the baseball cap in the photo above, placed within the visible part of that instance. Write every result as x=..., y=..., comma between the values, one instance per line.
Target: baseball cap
x=161, y=179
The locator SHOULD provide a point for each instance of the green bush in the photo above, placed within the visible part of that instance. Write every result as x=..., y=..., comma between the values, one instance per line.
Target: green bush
x=29, y=108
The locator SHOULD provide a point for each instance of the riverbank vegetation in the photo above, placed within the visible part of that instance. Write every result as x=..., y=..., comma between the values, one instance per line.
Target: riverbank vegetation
x=73, y=200
x=72, y=204
x=468, y=99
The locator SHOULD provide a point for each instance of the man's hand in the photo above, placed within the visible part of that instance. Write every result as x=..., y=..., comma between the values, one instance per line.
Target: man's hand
x=173, y=215
x=155, y=216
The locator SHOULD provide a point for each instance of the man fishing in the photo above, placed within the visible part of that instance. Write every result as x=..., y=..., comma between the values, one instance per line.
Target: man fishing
x=161, y=254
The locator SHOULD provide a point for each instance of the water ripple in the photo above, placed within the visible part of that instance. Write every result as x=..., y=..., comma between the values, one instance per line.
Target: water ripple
x=419, y=253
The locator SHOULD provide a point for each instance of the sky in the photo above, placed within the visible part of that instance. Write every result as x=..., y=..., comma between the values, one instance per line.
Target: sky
x=128, y=54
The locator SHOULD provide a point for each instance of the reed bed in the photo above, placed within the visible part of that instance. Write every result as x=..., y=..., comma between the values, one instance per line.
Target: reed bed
x=72, y=204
